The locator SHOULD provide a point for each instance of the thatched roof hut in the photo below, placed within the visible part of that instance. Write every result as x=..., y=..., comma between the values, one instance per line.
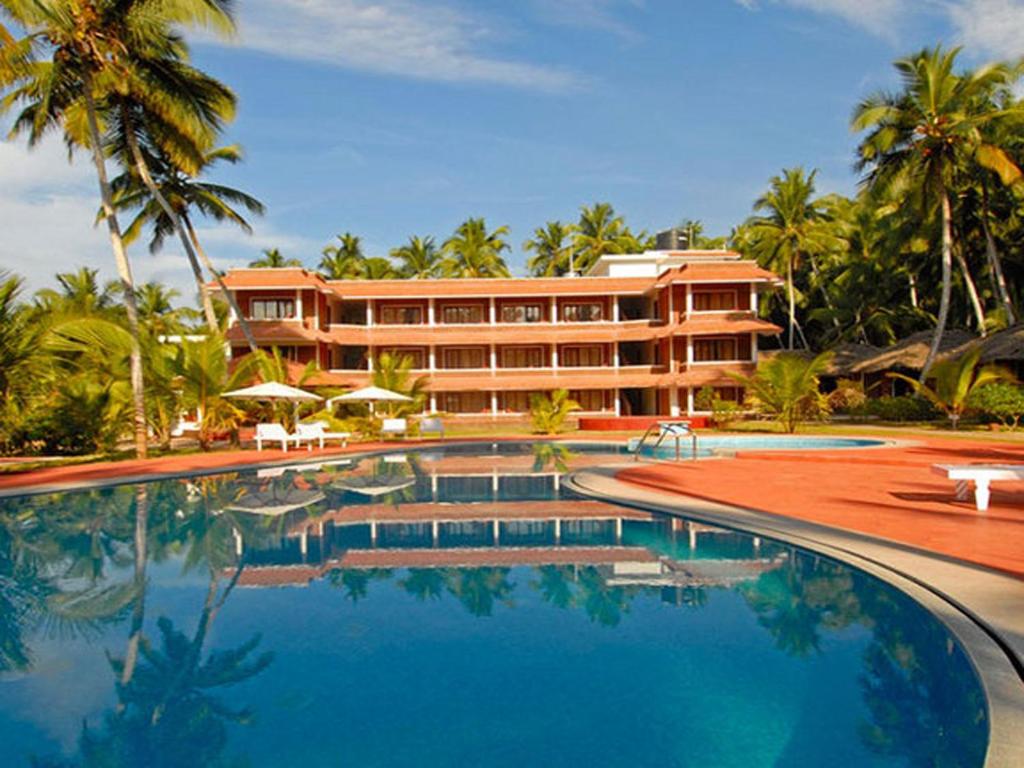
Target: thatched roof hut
x=910, y=353
x=1005, y=346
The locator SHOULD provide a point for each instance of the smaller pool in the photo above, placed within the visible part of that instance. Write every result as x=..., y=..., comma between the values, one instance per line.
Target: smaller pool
x=718, y=445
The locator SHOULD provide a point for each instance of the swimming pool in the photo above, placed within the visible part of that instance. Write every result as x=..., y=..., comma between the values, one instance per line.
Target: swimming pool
x=723, y=445
x=454, y=606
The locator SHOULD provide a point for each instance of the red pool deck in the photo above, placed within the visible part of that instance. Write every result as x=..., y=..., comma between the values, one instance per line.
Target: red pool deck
x=885, y=492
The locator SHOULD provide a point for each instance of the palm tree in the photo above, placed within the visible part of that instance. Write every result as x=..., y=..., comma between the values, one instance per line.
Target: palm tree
x=549, y=413
x=79, y=295
x=791, y=228
x=472, y=251
x=552, y=254
x=71, y=64
x=419, y=258
x=786, y=387
x=272, y=258
x=598, y=232
x=955, y=380
x=919, y=136
x=344, y=261
x=204, y=374
x=394, y=372
x=183, y=192
x=378, y=268
x=157, y=310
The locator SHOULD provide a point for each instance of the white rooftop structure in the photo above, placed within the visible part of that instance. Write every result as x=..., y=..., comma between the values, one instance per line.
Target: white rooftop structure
x=653, y=263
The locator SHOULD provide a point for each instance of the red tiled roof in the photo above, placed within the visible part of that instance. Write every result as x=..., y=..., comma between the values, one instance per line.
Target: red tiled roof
x=271, y=331
x=288, y=277
x=732, y=322
x=514, y=286
x=717, y=272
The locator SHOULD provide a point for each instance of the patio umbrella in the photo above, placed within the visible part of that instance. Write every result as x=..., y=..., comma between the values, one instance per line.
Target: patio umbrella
x=275, y=392
x=370, y=395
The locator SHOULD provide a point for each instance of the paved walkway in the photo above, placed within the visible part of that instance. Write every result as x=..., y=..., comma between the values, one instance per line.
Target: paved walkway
x=885, y=492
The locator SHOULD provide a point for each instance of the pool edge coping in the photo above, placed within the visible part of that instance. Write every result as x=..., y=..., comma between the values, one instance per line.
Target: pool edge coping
x=997, y=659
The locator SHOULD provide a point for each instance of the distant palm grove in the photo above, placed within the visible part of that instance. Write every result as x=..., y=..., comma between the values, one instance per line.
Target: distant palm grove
x=932, y=240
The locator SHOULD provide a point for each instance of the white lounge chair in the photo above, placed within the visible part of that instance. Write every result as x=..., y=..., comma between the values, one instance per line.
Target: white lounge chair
x=395, y=427
x=317, y=432
x=274, y=433
x=981, y=476
x=432, y=425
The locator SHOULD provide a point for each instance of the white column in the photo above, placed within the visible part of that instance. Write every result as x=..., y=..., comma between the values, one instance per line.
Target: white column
x=615, y=309
x=433, y=402
x=494, y=404
x=554, y=309
x=298, y=305
x=316, y=309
x=689, y=299
x=369, y=359
x=753, y=347
x=431, y=359
x=431, y=317
x=689, y=400
x=554, y=356
x=496, y=525
x=490, y=311
x=494, y=357
x=671, y=353
x=615, y=354
x=689, y=350
x=671, y=304
x=753, y=298
x=618, y=404
x=673, y=402
x=558, y=526
x=369, y=312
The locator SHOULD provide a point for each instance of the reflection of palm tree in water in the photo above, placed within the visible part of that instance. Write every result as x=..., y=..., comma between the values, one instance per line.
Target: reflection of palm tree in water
x=553, y=455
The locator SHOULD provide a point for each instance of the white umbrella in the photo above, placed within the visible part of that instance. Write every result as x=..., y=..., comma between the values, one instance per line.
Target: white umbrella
x=275, y=391
x=370, y=395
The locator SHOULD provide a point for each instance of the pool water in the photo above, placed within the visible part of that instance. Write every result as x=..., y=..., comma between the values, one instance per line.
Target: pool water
x=719, y=445
x=445, y=608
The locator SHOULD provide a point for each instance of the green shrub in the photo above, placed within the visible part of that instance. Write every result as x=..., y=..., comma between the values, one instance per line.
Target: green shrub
x=904, y=408
x=847, y=397
x=84, y=418
x=704, y=400
x=999, y=401
x=549, y=414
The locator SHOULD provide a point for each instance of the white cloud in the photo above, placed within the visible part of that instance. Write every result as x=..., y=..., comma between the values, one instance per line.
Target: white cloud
x=876, y=16
x=994, y=27
x=397, y=37
x=47, y=210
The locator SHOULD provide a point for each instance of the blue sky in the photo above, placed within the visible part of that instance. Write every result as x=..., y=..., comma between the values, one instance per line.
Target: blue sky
x=396, y=117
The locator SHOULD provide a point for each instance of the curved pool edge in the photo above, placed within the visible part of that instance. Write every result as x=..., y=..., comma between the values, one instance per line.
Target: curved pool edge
x=984, y=609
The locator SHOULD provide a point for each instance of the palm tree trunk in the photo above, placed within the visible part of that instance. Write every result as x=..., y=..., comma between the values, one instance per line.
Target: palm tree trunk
x=972, y=292
x=791, y=295
x=912, y=282
x=239, y=317
x=824, y=292
x=147, y=179
x=995, y=263
x=124, y=271
x=947, y=284
x=131, y=655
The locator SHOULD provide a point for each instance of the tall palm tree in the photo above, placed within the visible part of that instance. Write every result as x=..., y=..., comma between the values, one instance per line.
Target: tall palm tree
x=473, y=251
x=419, y=258
x=72, y=62
x=918, y=136
x=79, y=295
x=789, y=229
x=183, y=193
x=272, y=258
x=344, y=261
x=552, y=252
x=598, y=232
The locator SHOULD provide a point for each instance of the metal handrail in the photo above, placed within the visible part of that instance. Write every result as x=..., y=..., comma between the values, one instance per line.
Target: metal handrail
x=666, y=429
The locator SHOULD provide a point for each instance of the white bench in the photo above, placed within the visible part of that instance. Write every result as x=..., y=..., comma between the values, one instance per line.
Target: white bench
x=274, y=433
x=395, y=427
x=316, y=431
x=981, y=476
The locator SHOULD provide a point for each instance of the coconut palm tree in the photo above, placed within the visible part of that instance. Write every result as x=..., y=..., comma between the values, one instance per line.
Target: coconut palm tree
x=552, y=252
x=79, y=295
x=549, y=413
x=955, y=380
x=344, y=261
x=599, y=231
x=184, y=193
x=472, y=251
x=919, y=136
x=786, y=387
x=272, y=258
x=394, y=372
x=379, y=268
x=419, y=258
x=72, y=62
x=790, y=228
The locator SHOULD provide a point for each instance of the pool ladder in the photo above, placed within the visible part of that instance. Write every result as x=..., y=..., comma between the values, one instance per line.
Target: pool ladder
x=674, y=429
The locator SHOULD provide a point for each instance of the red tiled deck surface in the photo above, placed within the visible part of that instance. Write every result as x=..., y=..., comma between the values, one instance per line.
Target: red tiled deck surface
x=886, y=492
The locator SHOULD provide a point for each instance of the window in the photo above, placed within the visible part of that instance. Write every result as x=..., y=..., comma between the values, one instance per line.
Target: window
x=271, y=309
x=592, y=355
x=714, y=301
x=417, y=355
x=729, y=394
x=399, y=315
x=589, y=399
x=523, y=357
x=516, y=402
x=462, y=314
x=522, y=313
x=582, y=313
x=463, y=402
x=708, y=350
x=464, y=357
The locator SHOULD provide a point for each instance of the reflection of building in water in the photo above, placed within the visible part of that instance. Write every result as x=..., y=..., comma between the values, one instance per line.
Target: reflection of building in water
x=460, y=518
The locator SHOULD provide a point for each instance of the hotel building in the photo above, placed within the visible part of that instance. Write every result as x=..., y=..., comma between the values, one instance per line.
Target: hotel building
x=638, y=335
